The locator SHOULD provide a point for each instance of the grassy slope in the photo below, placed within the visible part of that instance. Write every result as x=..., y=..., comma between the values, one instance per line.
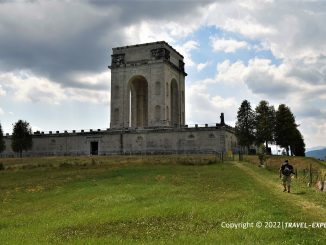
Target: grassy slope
x=147, y=203
x=300, y=163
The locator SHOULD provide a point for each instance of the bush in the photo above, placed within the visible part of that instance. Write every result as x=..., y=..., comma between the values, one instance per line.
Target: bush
x=262, y=158
x=262, y=155
x=2, y=167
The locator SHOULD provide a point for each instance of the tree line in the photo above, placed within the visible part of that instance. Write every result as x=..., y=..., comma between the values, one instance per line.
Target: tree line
x=21, y=139
x=264, y=125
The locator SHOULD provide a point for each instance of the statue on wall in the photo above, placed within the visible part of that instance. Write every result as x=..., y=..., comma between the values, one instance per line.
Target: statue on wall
x=118, y=59
x=160, y=53
x=181, y=65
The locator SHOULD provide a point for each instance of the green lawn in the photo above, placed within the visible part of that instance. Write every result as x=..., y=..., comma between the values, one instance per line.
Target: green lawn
x=121, y=201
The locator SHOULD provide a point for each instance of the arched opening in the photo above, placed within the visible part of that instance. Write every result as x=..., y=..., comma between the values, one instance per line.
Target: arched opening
x=175, y=107
x=138, y=102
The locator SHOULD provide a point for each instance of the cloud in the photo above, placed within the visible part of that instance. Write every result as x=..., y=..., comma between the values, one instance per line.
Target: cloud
x=51, y=39
x=25, y=86
x=202, y=66
x=262, y=77
x=231, y=73
x=2, y=112
x=309, y=110
x=146, y=31
x=202, y=105
x=54, y=39
x=185, y=49
x=65, y=46
x=312, y=72
x=92, y=81
x=275, y=82
x=65, y=38
x=55, y=51
x=314, y=131
x=249, y=27
x=291, y=31
x=227, y=45
x=2, y=91
x=265, y=78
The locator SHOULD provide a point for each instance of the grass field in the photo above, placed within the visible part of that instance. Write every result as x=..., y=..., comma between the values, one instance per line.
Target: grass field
x=299, y=163
x=151, y=200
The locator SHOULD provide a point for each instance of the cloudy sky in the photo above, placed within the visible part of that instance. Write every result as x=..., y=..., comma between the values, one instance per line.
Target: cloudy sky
x=54, y=57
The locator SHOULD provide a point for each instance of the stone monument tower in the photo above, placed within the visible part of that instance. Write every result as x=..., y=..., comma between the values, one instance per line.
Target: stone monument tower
x=147, y=86
x=147, y=113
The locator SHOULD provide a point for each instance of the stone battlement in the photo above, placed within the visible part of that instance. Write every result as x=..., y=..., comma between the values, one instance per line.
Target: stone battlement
x=194, y=140
x=148, y=44
x=194, y=127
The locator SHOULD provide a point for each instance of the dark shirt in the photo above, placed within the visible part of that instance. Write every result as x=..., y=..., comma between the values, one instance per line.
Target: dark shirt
x=287, y=169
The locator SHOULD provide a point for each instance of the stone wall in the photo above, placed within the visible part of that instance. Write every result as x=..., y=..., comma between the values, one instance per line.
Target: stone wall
x=157, y=66
x=132, y=141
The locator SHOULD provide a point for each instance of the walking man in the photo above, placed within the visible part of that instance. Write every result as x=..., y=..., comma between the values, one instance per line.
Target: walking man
x=285, y=174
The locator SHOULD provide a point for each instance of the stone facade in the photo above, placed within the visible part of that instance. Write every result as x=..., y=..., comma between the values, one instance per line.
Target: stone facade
x=147, y=86
x=132, y=141
x=147, y=112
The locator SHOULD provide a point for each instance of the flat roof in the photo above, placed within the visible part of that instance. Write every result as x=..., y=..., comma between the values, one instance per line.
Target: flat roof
x=146, y=44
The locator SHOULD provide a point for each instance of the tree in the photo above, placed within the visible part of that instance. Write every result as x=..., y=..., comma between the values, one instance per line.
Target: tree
x=244, y=127
x=2, y=142
x=264, y=123
x=21, y=137
x=298, y=145
x=285, y=128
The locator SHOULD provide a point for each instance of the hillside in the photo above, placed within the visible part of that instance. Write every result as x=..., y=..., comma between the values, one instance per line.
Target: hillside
x=152, y=200
x=319, y=154
x=299, y=163
x=315, y=148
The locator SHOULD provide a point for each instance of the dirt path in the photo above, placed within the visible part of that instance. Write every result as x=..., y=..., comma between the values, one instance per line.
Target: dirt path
x=307, y=206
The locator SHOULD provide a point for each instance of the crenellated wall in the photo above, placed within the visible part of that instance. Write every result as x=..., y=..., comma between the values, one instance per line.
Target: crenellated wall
x=132, y=141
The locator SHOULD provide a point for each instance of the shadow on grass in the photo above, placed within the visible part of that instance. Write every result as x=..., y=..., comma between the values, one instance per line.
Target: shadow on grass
x=147, y=228
x=300, y=193
x=3, y=226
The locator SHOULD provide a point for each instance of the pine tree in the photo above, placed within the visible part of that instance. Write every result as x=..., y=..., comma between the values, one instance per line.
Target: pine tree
x=298, y=145
x=21, y=137
x=2, y=142
x=264, y=123
x=285, y=127
x=244, y=127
